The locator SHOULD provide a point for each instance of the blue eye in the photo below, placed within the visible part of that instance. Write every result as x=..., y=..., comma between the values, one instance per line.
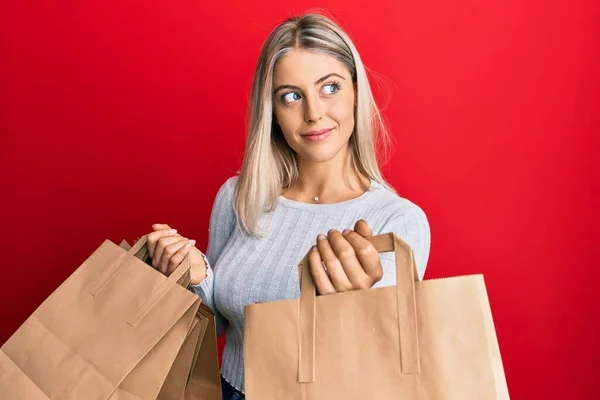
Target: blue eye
x=290, y=97
x=334, y=87
x=329, y=90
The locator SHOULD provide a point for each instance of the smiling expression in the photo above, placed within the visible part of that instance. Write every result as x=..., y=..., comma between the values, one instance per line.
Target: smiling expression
x=314, y=100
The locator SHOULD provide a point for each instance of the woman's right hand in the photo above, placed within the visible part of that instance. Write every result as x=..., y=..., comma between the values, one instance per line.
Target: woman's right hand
x=167, y=249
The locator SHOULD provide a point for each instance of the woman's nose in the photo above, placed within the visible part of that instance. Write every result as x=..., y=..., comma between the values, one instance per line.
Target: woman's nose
x=313, y=109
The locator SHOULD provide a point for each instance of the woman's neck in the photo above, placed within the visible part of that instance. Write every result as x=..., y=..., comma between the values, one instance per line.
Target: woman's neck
x=327, y=183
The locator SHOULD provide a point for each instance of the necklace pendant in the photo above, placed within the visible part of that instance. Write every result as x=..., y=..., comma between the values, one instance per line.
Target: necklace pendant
x=316, y=199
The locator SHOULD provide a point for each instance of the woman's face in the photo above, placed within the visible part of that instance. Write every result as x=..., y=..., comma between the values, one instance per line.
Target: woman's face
x=314, y=99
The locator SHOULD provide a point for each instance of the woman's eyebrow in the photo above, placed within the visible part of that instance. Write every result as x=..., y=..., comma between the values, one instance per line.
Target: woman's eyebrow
x=280, y=87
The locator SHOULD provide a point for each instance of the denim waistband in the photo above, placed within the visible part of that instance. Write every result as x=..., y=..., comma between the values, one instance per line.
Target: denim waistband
x=229, y=392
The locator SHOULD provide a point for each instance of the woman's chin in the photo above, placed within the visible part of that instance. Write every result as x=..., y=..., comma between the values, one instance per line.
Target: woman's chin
x=320, y=155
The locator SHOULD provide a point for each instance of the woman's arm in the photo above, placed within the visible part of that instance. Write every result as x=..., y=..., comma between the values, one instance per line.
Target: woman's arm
x=221, y=225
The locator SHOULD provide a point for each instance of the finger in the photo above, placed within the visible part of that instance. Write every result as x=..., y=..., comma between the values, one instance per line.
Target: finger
x=334, y=266
x=179, y=256
x=161, y=245
x=158, y=227
x=367, y=255
x=319, y=274
x=153, y=238
x=169, y=252
x=345, y=253
x=362, y=228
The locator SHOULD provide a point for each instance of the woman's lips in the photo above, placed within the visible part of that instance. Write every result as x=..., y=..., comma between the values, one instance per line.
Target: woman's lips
x=317, y=137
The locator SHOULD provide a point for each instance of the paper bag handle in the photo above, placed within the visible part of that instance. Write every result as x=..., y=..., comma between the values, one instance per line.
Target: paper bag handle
x=158, y=294
x=406, y=276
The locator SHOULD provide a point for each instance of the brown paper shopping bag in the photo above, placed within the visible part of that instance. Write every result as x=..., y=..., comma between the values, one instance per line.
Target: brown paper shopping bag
x=194, y=374
x=157, y=370
x=176, y=381
x=112, y=330
x=430, y=340
x=205, y=379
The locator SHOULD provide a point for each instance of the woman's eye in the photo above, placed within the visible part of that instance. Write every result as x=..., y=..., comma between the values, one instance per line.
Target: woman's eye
x=290, y=97
x=331, y=88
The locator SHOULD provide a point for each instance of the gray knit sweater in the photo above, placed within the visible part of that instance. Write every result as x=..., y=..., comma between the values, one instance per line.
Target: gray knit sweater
x=245, y=270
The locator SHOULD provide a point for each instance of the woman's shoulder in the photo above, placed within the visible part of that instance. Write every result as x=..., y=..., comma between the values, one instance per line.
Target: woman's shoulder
x=227, y=187
x=390, y=203
x=225, y=193
x=231, y=182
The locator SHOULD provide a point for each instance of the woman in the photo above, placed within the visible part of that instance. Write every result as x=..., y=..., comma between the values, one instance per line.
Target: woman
x=309, y=181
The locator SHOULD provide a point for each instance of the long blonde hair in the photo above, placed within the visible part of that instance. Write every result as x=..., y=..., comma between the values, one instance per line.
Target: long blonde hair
x=269, y=164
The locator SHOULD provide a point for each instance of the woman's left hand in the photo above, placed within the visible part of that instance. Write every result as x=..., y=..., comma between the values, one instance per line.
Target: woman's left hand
x=344, y=261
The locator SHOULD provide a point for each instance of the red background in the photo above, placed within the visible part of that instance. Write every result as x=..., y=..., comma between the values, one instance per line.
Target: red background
x=115, y=115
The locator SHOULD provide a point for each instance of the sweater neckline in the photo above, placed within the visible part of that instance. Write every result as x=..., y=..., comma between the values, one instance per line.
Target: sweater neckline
x=284, y=201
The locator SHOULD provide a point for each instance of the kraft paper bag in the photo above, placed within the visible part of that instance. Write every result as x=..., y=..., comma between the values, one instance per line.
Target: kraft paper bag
x=429, y=340
x=197, y=360
x=113, y=330
x=195, y=373
x=205, y=379
x=174, y=386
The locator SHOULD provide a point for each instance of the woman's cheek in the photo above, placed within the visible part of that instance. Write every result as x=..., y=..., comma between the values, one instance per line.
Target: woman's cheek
x=343, y=113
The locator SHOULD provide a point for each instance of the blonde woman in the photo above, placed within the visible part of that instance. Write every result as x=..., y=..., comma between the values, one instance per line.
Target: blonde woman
x=310, y=180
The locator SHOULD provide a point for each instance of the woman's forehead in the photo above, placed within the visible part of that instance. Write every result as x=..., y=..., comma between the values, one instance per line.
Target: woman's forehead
x=306, y=67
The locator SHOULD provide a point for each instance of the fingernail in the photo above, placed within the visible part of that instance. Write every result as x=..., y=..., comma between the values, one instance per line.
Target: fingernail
x=331, y=230
x=173, y=231
x=321, y=237
x=345, y=232
x=314, y=248
x=192, y=242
